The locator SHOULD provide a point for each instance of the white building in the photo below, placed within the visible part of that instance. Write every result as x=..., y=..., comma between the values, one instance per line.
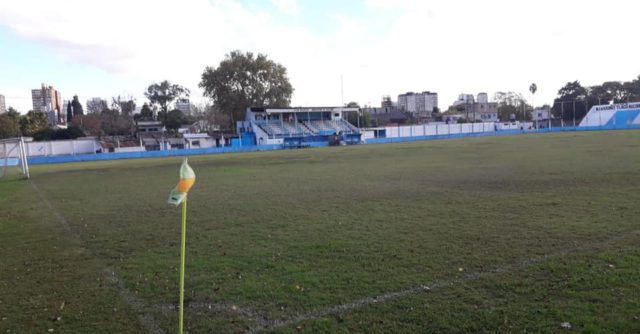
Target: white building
x=477, y=110
x=464, y=99
x=541, y=114
x=184, y=105
x=420, y=104
x=3, y=106
x=199, y=140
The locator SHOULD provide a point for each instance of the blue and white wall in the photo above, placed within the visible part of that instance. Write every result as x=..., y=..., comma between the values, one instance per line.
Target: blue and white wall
x=426, y=130
x=613, y=116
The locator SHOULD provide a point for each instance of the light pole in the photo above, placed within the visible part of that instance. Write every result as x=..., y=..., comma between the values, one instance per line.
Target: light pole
x=533, y=89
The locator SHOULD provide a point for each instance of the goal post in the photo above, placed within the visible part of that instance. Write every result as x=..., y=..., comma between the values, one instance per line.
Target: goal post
x=13, y=154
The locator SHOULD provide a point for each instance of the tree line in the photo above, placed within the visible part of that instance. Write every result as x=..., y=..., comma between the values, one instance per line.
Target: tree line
x=244, y=79
x=239, y=81
x=101, y=119
x=575, y=100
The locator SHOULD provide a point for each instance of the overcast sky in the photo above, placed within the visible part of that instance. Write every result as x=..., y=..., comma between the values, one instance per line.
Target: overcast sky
x=380, y=47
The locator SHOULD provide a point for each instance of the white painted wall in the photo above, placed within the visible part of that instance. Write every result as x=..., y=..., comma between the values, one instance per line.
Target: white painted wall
x=62, y=147
x=129, y=149
x=602, y=114
x=597, y=118
x=432, y=130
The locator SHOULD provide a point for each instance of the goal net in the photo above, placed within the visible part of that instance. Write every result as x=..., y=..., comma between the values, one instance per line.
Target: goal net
x=13, y=156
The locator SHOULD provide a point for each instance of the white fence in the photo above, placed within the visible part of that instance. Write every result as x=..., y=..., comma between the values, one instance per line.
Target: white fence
x=59, y=147
x=430, y=130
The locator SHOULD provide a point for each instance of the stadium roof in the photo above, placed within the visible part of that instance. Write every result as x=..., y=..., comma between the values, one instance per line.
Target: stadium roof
x=302, y=110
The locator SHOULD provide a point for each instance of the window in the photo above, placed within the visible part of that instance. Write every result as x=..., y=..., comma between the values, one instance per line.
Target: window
x=195, y=143
x=336, y=115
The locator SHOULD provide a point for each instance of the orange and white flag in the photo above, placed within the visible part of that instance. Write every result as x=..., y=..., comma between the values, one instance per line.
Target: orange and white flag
x=187, y=179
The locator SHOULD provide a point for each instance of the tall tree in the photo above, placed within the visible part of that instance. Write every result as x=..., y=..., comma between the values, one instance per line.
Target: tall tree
x=113, y=123
x=163, y=93
x=77, y=106
x=244, y=80
x=13, y=113
x=511, y=106
x=631, y=90
x=9, y=126
x=89, y=124
x=69, y=112
x=33, y=122
x=146, y=114
x=571, y=101
x=126, y=105
x=175, y=118
x=96, y=106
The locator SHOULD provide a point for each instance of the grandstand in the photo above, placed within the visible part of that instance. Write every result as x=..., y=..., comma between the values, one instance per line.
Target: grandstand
x=298, y=126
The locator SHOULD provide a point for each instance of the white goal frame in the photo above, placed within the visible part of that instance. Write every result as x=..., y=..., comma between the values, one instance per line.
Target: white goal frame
x=13, y=153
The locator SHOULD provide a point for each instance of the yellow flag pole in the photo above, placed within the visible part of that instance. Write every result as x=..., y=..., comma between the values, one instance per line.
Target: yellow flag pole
x=182, y=256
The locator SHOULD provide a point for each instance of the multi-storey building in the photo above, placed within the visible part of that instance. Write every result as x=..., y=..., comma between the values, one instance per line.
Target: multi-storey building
x=3, y=106
x=386, y=102
x=477, y=109
x=184, y=105
x=419, y=104
x=48, y=100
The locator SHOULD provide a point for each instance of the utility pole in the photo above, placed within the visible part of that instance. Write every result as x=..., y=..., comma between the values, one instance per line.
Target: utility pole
x=533, y=89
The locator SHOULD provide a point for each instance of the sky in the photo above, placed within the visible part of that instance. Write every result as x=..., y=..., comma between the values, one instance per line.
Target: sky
x=335, y=51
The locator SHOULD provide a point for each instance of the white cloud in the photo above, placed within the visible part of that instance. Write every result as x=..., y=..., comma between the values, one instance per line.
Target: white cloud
x=444, y=46
x=289, y=7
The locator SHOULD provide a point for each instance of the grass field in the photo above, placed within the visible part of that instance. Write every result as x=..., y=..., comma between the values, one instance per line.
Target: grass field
x=501, y=234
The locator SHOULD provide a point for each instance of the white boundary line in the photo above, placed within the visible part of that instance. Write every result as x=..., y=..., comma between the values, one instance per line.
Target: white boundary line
x=438, y=284
x=132, y=301
x=264, y=324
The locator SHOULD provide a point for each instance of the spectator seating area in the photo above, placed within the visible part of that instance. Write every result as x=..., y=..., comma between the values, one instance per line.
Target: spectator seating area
x=277, y=129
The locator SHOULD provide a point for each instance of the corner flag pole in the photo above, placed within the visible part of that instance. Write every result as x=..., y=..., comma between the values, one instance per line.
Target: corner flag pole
x=183, y=247
x=179, y=196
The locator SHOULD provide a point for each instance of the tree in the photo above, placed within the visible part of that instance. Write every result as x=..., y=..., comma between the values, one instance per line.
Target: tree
x=9, y=126
x=215, y=118
x=13, y=113
x=146, y=114
x=72, y=132
x=359, y=118
x=573, y=91
x=96, y=106
x=114, y=124
x=175, y=119
x=125, y=105
x=69, y=112
x=511, y=106
x=77, y=106
x=89, y=124
x=572, y=101
x=33, y=122
x=243, y=80
x=163, y=93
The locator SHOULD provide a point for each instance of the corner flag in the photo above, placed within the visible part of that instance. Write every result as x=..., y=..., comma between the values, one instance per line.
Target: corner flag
x=187, y=179
x=179, y=196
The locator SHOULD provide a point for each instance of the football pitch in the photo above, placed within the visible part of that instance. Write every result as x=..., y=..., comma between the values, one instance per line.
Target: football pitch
x=530, y=233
